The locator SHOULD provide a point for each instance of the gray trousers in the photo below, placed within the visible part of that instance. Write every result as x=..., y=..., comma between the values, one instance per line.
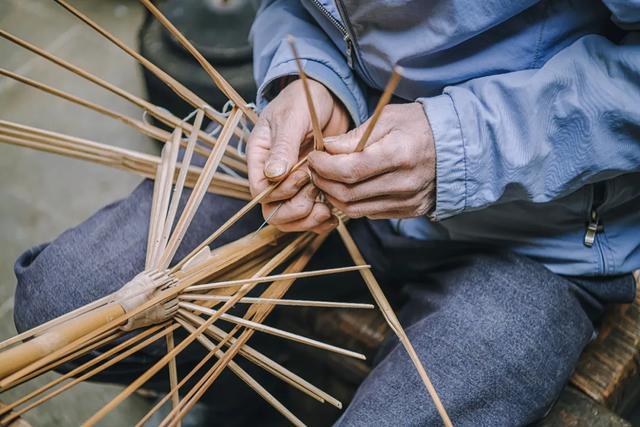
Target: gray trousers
x=499, y=333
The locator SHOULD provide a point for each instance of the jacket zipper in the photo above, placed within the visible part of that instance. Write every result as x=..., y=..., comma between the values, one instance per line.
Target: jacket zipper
x=595, y=225
x=343, y=31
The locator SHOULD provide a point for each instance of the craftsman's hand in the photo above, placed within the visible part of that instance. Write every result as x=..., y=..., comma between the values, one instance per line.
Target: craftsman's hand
x=275, y=146
x=393, y=177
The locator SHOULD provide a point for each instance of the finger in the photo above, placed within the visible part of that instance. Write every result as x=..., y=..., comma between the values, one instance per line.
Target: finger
x=347, y=143
x=290, y=186
x=288, y=130
x=375, y=206
x=326, y=226
x=298, y=207
x=397, y=183
x=376, y=159
x=258, y=146
x=399, y=214
x=317, y=217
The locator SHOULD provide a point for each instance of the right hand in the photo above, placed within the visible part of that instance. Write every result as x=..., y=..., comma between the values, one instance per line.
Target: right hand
x=276, y=144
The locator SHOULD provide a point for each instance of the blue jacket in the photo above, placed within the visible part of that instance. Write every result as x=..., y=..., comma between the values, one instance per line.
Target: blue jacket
x=534, y=106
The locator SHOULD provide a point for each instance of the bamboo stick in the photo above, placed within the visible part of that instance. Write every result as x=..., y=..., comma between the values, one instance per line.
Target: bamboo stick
x=157, y=112
x=217, y=78
x=219, y=366
x=275, y=278
x=244, y=376
x=277, y=301
x=266, y=363
x=200, y=189
x=81, y=368
x=392, y=320
x=272, y=331
x=177, y=87
x=21, y=356
x=276, y=261
x=396, y=75
x=318, y=140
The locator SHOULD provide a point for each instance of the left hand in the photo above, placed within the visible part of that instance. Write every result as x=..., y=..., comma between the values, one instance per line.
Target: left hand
x=393, y=177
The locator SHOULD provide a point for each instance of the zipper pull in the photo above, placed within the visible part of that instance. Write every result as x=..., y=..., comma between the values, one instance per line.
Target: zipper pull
x=592, y=229
x=347, y=41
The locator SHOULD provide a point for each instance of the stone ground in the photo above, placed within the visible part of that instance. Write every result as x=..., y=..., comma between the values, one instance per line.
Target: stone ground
x=41, y=194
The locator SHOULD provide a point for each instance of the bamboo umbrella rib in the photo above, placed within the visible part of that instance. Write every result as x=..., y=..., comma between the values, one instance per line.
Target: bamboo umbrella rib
x=392, y=320
x=200, y=189
x=315, y=123
x=94, y=371
x=81, y=368
x=219, y=366
x=177, y=87
x=159, y=113
x=138, y=163
x=272, y=331
x=272, y=264
x=217, y=78
x=236, y=217
x=277, y=301
x=244, y=376
x=266, y=363
x=276, y=277
x=182, y=176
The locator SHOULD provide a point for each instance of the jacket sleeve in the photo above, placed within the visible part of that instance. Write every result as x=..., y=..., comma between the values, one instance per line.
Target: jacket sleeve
x=540, y=134
x=321, y=59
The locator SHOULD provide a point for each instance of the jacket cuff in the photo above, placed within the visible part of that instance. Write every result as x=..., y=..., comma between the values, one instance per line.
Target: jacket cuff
x=450, y=156
x=316, y=71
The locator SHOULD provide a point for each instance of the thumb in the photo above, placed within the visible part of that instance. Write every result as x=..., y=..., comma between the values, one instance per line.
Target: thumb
x=343, y=144
x=286, y=137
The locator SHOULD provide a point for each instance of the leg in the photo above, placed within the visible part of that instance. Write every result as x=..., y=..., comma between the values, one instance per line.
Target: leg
x=499, y=335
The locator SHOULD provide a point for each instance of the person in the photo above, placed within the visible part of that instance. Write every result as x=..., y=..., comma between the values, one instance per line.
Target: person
x=499, y=192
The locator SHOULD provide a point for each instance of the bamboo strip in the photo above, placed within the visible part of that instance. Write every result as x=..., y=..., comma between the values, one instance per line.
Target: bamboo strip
x=318, y=139
x=274, y=263
x=266, y=363
x=219, y=366
x=272, y=331
x=217, y=78
x=168, y=167
x=173, y=373
x=276, y=301
x=81, y=368
x=199, y=189
x=396, y=75
x=234, y=218
x=392, y=320
x=157, y=112
x=275, y=278
x=131, y=161
x=244, y=376
x=177, y=194
x=177, y=87
x=97, y=369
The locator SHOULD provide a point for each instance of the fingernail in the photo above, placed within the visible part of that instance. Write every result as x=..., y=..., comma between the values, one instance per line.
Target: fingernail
x=275, y=168
x=302, y=178
x=312, y=193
